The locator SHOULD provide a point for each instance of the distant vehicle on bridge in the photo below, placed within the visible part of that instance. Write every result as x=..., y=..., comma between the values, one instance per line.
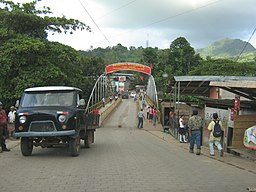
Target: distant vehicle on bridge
x=140, y=88
x=133, y=94
x=53, y=116
x=125, y=95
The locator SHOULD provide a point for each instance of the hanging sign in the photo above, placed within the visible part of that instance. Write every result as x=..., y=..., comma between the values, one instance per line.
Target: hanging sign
x=129, y=67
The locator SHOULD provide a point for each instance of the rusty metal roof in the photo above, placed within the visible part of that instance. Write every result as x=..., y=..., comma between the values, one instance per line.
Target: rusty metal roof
x=200, y=85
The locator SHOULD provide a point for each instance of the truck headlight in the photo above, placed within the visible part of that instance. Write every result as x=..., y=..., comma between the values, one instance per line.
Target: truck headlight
x=62, y=118
x=22, y=119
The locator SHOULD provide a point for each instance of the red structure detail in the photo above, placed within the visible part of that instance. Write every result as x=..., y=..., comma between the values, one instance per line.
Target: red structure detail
x=129, y=67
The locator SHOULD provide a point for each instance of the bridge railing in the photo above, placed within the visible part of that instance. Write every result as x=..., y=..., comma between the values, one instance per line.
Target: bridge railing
x=102, y=88
x=151, y=91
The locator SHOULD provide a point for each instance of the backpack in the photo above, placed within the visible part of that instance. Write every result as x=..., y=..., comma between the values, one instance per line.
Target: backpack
x=217, y=132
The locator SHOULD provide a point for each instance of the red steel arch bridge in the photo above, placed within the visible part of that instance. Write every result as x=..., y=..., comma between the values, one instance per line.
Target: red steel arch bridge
x=103, y=86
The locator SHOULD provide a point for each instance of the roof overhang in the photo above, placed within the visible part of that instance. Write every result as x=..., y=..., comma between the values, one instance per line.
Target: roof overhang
x=245, y=89
x=200, y=85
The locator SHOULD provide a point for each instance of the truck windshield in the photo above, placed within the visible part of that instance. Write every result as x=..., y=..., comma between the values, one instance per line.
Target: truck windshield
x=34, y=99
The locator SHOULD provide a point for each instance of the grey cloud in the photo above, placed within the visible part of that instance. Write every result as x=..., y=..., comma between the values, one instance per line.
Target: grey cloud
x=219, y=19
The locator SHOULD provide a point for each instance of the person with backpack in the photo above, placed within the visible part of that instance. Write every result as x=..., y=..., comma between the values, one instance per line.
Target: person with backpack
x=216, y=129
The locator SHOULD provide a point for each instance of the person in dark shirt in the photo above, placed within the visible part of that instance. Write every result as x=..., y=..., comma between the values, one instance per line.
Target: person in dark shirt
x=3, y=128
x=195, y=125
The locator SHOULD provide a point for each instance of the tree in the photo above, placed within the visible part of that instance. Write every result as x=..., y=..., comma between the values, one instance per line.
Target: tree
x=224, y=67
x=182, y=56
x=32, y=62
x=149, y=55
x=27, y=58
x=26, y=19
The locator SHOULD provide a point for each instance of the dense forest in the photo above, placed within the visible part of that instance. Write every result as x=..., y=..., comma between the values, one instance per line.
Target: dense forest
x=28, y=59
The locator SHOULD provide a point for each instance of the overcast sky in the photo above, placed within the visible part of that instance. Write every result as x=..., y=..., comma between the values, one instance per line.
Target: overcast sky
x=155, y=23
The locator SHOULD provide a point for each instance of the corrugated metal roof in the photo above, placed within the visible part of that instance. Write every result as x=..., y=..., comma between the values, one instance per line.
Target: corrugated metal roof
x=200, y=85
x=214, y=78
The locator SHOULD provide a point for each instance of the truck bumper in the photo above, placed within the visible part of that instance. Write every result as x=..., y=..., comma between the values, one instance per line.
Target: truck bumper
x=45, y=134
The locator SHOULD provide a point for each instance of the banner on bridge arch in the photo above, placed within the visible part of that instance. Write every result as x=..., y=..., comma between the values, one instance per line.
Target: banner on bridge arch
x=128, y=66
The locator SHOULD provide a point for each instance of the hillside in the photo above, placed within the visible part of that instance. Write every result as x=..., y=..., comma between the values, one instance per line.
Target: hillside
x=229, y=49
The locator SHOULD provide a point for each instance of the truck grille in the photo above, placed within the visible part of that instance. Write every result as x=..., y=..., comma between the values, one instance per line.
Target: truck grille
x=42, y=126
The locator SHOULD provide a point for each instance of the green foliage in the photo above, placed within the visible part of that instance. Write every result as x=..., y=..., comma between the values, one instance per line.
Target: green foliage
x=26, y=19
x=224, y=67
x=92, y=66
x=182, y=56
x=27, y=59
x=33, y=62
x=116, y=54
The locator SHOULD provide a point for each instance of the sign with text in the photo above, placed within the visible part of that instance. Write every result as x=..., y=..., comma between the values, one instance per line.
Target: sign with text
x=122, y=78
x=129, y=67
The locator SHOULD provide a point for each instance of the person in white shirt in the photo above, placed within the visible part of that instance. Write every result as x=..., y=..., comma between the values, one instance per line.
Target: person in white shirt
x=182, y=130
x=141, y=117
x=11, y=121
x=103, y=101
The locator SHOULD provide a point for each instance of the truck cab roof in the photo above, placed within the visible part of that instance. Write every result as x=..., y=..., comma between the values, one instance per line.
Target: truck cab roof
x=52, y=88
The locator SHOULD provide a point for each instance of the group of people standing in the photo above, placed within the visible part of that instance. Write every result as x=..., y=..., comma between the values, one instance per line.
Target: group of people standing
x=152, y=114
x=192, y=130
x=6, y=126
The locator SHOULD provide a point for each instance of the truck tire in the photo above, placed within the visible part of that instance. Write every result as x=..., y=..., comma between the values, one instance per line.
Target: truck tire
x=74, y=146
x=26, y=146
x=88, y=139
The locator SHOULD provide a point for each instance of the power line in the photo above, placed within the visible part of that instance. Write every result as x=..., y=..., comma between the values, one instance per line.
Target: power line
x=177, y=15
x=95, y=23
x=246, y=44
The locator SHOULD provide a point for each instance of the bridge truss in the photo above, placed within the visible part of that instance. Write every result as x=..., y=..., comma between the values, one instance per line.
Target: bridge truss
x=102, y=88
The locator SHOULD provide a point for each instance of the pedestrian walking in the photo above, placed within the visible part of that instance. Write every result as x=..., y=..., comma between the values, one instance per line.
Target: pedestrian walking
x=173, y=123
x=116, y=96
x=182, y=129
x=148, y=107
x=195, y=125
x=110, y=99
x=3, y=128
x=103, y=101
x=151, y=113
x=141, y=117
x=11, y=121
x=215, y=127
x=143, y=104
x=154, y=115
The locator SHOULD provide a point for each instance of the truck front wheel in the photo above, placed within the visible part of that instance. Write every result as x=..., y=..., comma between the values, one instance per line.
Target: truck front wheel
x=26, y=146
x=74, y=146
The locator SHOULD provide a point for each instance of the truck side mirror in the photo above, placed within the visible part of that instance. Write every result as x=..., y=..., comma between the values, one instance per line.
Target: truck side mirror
x=17, y=103
x=81, y=102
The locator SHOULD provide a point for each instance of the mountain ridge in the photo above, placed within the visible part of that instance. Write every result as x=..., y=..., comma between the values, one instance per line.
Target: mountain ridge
x=229, y=49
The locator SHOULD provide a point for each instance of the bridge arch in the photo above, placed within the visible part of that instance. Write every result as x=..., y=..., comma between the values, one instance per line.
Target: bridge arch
x=129, y=66
x=103, y=87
